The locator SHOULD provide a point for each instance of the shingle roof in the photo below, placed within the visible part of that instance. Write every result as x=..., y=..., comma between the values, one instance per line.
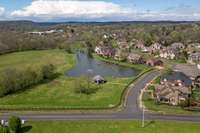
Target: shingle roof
x=190, y=70
x=177, y=76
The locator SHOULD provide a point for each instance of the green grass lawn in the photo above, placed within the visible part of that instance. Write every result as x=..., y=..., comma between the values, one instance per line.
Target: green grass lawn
x=59, y=93
x=32, y=58
x=111, y=127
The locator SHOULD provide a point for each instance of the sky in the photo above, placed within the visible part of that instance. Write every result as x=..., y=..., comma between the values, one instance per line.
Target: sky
x=100, y=10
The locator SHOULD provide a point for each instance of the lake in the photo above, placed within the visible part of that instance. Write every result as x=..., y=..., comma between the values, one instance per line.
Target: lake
x=87, y=65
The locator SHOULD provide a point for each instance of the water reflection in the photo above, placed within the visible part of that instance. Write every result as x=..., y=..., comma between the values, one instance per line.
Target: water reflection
x=85, y=63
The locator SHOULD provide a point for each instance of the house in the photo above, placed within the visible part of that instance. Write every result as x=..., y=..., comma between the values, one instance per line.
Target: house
x=194, y=58
x=168, y=53
x=135, y=58
x=45, y=32
x=105, y=51
x=189, y=70
x=155, y=47
x=139, y=45
x=146, y=49
x=99, y=79
x=196, y=82
x=35, y=33
x=193, y=48
x=154, y=62
x=165, y=95
x=177, y=46
x=120, y=55
x=123, y=45
x=98, y=50
x=172, y=95
x=174, y=88
x=133, y=42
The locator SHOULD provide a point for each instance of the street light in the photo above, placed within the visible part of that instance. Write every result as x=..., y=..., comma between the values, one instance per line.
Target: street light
x=89, y=72
x=143, y=116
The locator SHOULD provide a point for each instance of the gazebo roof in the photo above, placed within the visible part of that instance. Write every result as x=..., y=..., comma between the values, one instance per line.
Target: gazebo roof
x=98, y=77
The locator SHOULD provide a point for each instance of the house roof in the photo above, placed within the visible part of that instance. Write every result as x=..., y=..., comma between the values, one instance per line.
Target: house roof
x=169, y=91
x=177, y=45
x=177, y=76
x=164, y=91
x=154, y=61
x=107, y=49
x=190, y=70
x=183, y=89
x=156, y=45
x=196, y=54
x=169, y=50
x=194, y=45
x=134, y=56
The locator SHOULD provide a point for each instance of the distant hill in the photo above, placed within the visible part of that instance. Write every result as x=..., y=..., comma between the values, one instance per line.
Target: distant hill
x=31, y=23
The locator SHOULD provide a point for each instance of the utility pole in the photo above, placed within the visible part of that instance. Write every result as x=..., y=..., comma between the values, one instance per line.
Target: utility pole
x=89, y=71
x=142, y=116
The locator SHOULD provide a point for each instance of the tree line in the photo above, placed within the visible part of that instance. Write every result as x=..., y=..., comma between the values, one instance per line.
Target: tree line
x=15, y=37
x=13, y=80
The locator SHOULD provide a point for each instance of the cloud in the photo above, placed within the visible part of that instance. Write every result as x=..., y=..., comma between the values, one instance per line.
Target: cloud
x=63, y=8
x=196, y=14
x=91, y=10
x=2, y=10
x=178, y=13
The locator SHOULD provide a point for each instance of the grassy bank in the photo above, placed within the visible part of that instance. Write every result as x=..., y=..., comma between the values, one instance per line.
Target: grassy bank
x=59, y=93
x=111, y=127
x=140, y=67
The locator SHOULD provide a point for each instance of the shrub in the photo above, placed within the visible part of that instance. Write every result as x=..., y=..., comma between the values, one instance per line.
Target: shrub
x=14, y=124
x=3, y=129
x=48, y=71
x=83, y=88
x=157, y=80
x=151, y=87
x=8, y=81
x=69, y=50
x=186, y=103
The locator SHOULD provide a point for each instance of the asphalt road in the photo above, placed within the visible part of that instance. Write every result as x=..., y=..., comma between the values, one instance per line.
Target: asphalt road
x=130, y=110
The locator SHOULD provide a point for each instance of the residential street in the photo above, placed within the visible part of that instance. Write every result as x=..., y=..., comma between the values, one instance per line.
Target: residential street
x=130, y=111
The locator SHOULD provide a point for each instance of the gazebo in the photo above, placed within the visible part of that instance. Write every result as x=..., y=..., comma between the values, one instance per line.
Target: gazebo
x=99, y=79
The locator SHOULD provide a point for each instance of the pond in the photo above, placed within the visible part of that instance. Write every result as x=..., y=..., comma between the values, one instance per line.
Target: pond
x=87, y=65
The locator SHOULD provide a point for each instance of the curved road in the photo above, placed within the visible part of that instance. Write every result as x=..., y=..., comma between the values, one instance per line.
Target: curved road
x=130, y=109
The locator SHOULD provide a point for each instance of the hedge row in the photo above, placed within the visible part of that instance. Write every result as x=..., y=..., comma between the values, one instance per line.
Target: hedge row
x=13, y=80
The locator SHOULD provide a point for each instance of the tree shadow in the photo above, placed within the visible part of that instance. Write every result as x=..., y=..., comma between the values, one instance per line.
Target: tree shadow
x=149, y=123
x=25, y=129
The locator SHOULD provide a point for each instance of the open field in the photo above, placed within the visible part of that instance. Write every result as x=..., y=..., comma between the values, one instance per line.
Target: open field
x=59, y=93
x=33, y=58
x=111, y=127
